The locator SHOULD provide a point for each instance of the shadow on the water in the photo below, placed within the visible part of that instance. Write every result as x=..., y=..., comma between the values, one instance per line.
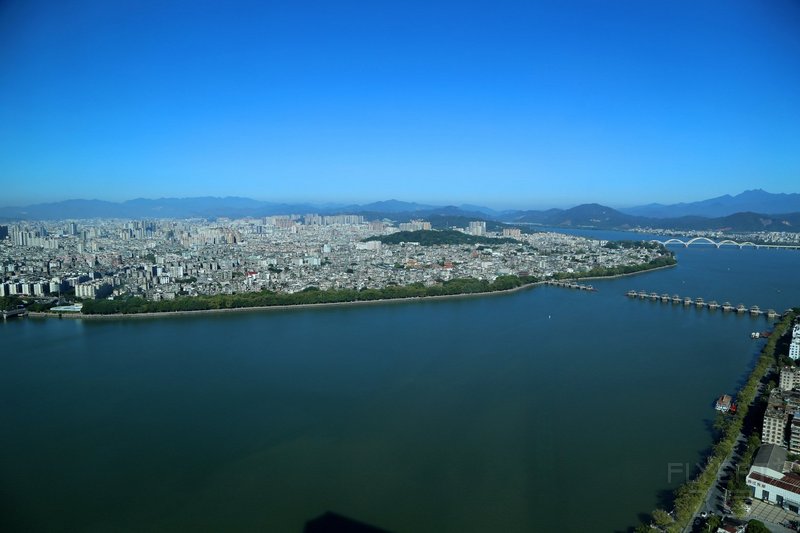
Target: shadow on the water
x=10, y=518
x=643, y=518
x=330, y=522
x=664, y=499
x=708, y=423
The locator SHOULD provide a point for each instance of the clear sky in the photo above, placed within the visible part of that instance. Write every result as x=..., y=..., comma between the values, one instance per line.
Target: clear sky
x=506, y=104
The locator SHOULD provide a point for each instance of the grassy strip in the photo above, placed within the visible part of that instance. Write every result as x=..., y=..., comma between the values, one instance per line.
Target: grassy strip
x=690, y=495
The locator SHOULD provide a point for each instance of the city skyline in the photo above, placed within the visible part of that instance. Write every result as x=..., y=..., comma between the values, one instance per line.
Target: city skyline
x=510, y=105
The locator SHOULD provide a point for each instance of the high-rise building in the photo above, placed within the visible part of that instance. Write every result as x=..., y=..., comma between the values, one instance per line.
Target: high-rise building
x=794, y=347
x=3, y=232
x=781, y=406
x=774, y=427
x=794, y=433
x=477, y=227
x=55, y=285
x=415, y=225
x=790, y=378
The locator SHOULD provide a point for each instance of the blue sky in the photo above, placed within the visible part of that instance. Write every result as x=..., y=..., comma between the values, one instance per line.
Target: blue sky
x=528, y=104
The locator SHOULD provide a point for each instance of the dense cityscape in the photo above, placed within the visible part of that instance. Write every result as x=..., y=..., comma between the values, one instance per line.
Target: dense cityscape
x=163, y=259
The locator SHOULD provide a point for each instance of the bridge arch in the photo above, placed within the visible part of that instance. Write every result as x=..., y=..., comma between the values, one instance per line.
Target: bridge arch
x=726, y=242
x=702, y=240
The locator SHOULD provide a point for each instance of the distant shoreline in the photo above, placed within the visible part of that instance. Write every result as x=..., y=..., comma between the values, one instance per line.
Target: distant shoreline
x=283, y=307
x=630, y=273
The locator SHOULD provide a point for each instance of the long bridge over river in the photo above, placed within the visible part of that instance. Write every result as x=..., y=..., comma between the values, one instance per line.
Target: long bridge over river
x=700, y=303
x=705, y=241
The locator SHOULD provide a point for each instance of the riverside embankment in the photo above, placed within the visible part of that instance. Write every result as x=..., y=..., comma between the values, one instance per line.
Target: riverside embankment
x=690, y=496
x=239, y=303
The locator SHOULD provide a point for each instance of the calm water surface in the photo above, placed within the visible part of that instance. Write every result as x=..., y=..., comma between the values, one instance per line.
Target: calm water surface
x=518, y=412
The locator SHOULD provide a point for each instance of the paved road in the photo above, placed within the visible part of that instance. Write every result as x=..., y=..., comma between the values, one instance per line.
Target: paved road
x=716, y=495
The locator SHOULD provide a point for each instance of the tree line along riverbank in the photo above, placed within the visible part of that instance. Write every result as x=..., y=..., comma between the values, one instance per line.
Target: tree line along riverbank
x=690, y=496
x=313, y=295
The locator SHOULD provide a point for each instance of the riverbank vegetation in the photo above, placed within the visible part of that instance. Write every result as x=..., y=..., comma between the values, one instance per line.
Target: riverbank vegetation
x=648, y=245
x=438, y=238
x=601, y=272
x=311, y=295
x=690, y=495
x=314, y=295
x=9, y=302
x=12, y=302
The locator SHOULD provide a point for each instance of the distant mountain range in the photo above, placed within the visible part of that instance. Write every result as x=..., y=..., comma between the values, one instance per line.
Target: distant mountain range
x=203, y=207
x=230, y=206
x=755, y=210
x=756, y=201
x=602, y=217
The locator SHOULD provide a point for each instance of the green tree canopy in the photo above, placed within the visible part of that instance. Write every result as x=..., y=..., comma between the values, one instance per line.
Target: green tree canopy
x=756, y=526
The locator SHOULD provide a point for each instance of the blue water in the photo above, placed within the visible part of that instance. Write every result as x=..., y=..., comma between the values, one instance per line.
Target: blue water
x=516, y=412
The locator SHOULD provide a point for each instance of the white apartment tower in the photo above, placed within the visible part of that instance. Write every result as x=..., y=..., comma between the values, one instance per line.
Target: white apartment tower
x=794, y=347
x=477, y=227
x=790, y=378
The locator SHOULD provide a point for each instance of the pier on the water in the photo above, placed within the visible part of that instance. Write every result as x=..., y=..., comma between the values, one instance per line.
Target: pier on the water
x=570, y=284
x=8, y=313
x=700, y=303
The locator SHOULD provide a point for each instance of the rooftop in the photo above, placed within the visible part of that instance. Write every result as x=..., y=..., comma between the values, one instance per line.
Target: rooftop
x=771, y=456
x=789, y=482
x=75, y=308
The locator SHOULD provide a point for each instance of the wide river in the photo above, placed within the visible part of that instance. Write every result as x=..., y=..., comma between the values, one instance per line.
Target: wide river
x=546, y=409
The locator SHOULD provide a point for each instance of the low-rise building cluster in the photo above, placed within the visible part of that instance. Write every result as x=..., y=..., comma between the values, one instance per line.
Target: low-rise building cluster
x=162, y=259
